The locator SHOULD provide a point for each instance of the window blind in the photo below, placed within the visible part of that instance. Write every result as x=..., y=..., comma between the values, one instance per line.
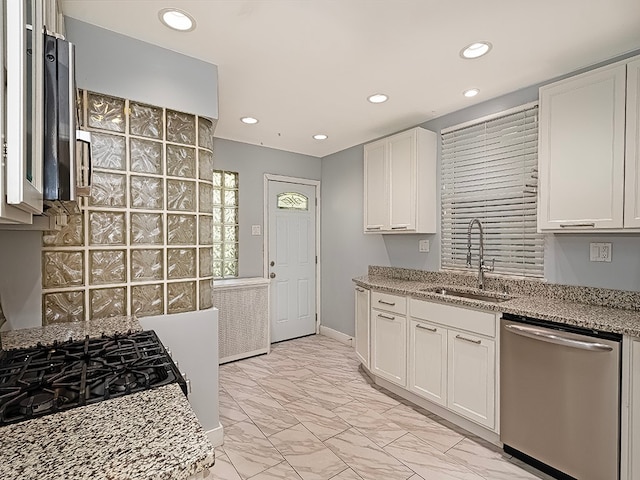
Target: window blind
x=489, y=172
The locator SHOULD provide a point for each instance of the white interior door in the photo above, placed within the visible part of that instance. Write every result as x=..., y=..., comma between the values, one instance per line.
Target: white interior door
x=292, y=259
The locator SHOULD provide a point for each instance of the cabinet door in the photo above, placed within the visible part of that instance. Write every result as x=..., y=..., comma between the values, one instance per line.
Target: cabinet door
x=428, y=361
x=632, y=154
x=389, y=346
x=402, y=181
x=581, y=151
x=471, y=377
x=376, y=212
x=362, y=325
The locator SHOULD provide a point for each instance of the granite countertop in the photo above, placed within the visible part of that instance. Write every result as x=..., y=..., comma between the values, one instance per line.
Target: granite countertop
x=152, y=434
x=568, y=311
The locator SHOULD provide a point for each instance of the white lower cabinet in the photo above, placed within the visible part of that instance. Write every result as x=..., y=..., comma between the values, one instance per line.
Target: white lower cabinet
x=428, y=361
x=471, y=377
x=362, y=302
x=389, y=346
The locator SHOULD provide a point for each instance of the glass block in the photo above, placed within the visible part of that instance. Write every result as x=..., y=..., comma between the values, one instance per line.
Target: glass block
x=63, y=307
x=181, y=127
x=147, y=192
x=230, y=269
x=206, y=294
x=230, y=233
x=145, y=120
x=182, y=297
x=146, y=156
x=62, y=269
x=231, y=198
x=108, y=151
x=205, y=232
x=181, y=229
x=205, y=168
x=206, y=198
x=217, y=214
x=108, y=190
x=106, y=113
x=146, y=229
x=181, y=161
x=181, y=195
x=217, y=196
x=217, y=268
x=205, y=133
x=217, y=233
x=230, y=251
x=69, y=235
x=106, y=228
x=107, y=266
x=230, y=180
x=206, y=262
x=217, y=251
x=147, y=300
x=230, y=215
x=217, y=178
x=181, y=263
x=107, y=302
x=146, y=265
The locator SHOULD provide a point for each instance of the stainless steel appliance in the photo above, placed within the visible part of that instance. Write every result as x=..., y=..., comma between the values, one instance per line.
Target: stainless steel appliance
x=560, y=397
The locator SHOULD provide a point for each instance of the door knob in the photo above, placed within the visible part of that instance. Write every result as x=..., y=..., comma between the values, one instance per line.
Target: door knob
x=273, y=264
x=272, y=275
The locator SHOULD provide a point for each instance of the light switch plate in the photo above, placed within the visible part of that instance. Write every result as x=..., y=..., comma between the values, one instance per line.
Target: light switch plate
x=600, y=252
x=255, y=230
x=423, y=246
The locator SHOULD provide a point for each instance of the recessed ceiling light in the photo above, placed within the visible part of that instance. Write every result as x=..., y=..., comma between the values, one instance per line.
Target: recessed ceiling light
x=475, y=50
x=472, y=92
x=177, y=19
x=320, y=136
x=249, y=120
x=378, y=98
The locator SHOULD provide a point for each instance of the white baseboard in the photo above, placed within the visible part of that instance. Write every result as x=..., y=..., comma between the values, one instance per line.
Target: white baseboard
x=216, y=435
x=336, y=335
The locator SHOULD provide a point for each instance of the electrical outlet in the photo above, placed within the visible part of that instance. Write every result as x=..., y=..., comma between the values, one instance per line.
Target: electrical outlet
x=423, y=246
x=255, y=230
x=600, y=252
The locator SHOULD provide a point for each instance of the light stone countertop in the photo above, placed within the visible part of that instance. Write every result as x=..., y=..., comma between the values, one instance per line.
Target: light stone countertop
x=605, y=318
x=152, y=434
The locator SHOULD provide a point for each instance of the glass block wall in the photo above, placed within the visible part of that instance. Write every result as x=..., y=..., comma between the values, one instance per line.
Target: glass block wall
x=143, y=244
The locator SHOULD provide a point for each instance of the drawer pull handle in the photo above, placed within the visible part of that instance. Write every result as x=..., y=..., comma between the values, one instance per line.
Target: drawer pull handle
x=570, y=225
x=386, y=316
x=477, y=342
x=374, y=227
x=359, y=289
x=401, y=227
x=427, y=328
x=386, y=303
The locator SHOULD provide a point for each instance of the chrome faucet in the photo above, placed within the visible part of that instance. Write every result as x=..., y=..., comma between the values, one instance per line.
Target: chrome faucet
x=481, y=266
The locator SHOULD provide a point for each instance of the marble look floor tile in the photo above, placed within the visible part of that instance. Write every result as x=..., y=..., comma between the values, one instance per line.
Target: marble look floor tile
x=367, y=394
x=428, y=462
x=282, y=389
x=347, y=474
x=230, y=411
x=489, y=463
x=337, y=377
x=416, y=477
x=267, y=414
x=249, y=450
x=318, y=420
x=423, y=427
x=308, y=455
x=367, y=459
x=223, y=469
x=282, y=471
x=324, y=392
x=256, y=368
x=295, y=373
x=371, y=423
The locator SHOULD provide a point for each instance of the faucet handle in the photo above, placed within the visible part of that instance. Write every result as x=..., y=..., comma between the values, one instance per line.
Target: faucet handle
x=493, y=265
x=469, y=259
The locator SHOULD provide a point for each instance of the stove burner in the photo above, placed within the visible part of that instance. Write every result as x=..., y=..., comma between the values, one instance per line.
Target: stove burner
x=40, y=402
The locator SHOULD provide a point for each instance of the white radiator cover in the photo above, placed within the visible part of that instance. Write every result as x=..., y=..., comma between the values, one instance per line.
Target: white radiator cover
x=243, y=328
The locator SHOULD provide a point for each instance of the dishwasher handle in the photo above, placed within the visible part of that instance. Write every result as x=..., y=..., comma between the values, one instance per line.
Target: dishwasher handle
x=556, y=337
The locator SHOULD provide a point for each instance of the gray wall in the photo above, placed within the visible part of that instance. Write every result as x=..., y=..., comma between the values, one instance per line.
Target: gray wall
x=252, y=162
x=108, y=62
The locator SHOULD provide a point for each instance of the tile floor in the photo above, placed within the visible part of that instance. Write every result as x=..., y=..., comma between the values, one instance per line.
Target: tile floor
x=305, y=411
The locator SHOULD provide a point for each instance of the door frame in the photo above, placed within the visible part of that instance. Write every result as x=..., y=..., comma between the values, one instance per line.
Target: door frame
x=265, y=255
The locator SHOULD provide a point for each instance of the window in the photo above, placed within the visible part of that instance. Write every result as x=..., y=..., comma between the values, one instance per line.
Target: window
x=489, y=172
x=225, y=224
x=292, y=201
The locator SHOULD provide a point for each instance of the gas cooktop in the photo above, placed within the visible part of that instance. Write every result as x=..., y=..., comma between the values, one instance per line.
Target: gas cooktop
x=47, y=379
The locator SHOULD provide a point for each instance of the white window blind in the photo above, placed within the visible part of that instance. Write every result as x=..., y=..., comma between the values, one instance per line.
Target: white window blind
x=489, y=172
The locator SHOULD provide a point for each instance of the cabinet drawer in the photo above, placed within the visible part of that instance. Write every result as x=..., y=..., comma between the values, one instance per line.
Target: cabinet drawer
x=389, y=302
x=483, y=323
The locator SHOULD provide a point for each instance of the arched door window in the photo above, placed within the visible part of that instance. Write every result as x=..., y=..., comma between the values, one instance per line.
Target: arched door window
x=292, y=201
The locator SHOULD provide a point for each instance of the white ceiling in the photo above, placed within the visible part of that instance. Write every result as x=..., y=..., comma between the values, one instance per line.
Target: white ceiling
x=307, y=66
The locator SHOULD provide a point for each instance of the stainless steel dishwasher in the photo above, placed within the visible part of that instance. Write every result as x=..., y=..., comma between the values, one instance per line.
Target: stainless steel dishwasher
x=560, y=397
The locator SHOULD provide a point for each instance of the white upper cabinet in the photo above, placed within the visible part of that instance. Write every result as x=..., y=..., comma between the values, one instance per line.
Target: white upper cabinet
x=587, y=179
x=400, y=183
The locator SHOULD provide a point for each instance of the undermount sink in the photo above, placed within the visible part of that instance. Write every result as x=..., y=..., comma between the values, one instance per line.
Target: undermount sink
x=484, y=297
